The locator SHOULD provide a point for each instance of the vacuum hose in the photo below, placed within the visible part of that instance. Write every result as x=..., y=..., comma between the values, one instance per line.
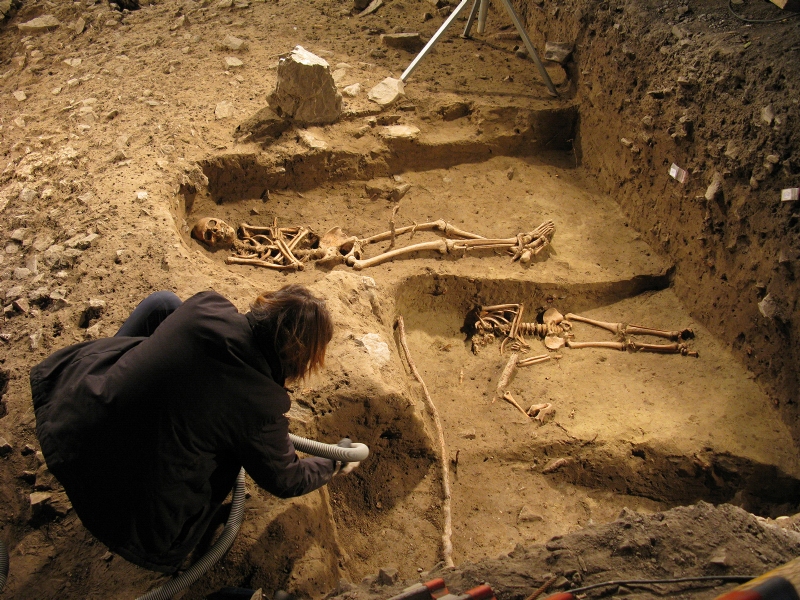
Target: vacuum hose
x=345, y=451
x=3, y=565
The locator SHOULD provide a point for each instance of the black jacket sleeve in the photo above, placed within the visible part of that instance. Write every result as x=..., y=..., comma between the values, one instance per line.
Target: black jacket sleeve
x=269, y=457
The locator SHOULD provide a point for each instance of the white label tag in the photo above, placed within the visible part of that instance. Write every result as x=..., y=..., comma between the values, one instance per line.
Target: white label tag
x=678, y=174
x=790, y=194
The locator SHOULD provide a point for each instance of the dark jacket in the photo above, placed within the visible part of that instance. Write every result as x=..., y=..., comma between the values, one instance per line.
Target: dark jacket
x=147, y=435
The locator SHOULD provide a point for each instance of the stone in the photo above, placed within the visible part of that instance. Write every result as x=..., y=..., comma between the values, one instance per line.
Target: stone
x=20, y=95
x=28, y=195
x=233, y=43
x=223, y=110
x=21, y=273
x=81, y=241
x=309, y=140
x=14, y=292
x=557, y=52
x=21, y=305
x=399, y=132
x=44, y=479
x=5, y=447
x=410, y=42
x=768, y=114
x=388, y=576
x=387, y=92
x=467, y=434
x=40, y=295
x=35, y=339
x=719, y=560
x=376, y=347
x=526, y=515
x=39, y=24
x=714, y=191
x=371, y=8
x=731, y=150
x=351, y=91
x=769, y=307
x=398, y=192
x=231, y=62
x=305, y=90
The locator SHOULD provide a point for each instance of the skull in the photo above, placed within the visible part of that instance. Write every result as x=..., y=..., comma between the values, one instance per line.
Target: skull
x=214, y=232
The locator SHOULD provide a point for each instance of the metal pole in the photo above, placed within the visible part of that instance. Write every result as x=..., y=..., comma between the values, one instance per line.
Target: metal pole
x=531, y=50
x=433, y=40
x=471, y=19
x=482, y=16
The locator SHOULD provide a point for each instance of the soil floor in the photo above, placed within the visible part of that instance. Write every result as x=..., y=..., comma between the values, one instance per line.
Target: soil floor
x=119, y=132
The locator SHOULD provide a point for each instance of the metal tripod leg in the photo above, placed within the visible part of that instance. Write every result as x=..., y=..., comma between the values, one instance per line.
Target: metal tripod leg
x=481, y=6
x=529, y=46
x=410, y=69
x=471, y=19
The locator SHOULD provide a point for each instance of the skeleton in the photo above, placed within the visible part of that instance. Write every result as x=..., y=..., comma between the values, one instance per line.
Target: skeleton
x=556, y=331
x=289, y=248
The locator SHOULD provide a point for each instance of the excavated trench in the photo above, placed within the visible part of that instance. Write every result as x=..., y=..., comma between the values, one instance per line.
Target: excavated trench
x=638, y=430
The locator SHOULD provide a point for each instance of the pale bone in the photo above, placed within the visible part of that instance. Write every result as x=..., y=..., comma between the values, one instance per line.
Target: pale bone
x=534, y=241
x=257, y=262
x=214, y=232
x=542, y=412
x=512, y=335
x=674, y=348
x=507, y=396
x=613, y=345
x=625, y=329
x=507, y=374
x=553, y=342
x=533, y=360
x=556, y=464
x=552, y=316
x=439, y=225
x=336, y=246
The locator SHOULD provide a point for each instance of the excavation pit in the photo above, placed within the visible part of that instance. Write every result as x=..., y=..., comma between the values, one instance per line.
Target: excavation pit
x=637, y=430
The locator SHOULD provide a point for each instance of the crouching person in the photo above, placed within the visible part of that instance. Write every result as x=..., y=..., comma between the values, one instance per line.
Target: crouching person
x=147, y=430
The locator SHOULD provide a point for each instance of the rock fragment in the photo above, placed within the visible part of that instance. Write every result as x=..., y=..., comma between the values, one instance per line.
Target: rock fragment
x=557, y=52
x=233, y=43
x=410, y=42
x=311, y=141
x=352, y=91
x=387, y=92
x=223, y=110
x=305, y=90
x=714, y=190
x=399, y=132
x=5, y=447
x=39, y=24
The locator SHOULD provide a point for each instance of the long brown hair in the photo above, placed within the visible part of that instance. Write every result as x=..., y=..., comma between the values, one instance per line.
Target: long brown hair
x=297, y=325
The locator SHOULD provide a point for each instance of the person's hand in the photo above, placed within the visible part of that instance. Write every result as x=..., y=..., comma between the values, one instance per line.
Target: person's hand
x=348, y=467
x=343, y=467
